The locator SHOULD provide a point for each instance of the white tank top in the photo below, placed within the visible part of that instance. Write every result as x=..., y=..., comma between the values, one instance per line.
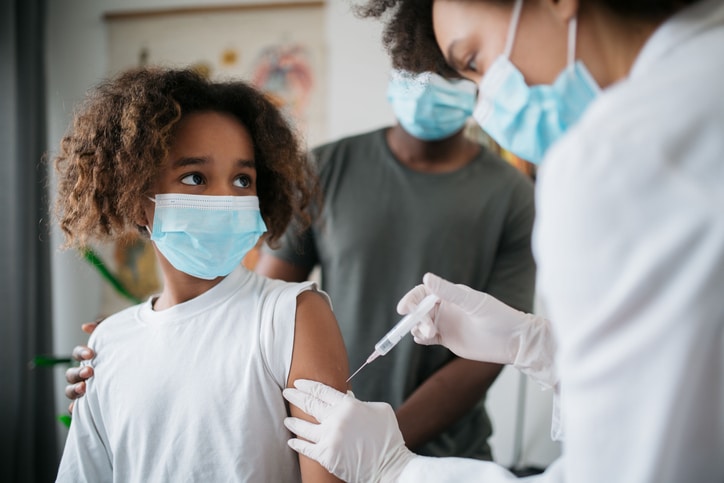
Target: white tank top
x=191, y=393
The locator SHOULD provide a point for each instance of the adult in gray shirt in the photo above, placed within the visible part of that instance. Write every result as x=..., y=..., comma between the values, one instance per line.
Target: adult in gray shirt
x=399, y=202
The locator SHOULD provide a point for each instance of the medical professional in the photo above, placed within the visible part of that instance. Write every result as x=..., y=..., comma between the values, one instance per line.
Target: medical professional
x=623, y=102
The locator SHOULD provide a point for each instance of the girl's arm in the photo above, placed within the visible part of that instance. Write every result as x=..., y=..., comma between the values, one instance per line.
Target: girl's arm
x=319, y=354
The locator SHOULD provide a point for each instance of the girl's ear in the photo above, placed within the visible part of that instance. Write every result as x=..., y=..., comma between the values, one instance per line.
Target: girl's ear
x=141, y=221
x=145, y=217
x=143, y=231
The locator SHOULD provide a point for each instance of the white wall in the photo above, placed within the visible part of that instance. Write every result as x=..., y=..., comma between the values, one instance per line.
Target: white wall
x=357, y=70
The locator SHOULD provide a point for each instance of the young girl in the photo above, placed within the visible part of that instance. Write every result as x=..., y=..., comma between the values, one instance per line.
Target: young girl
x=188, y=386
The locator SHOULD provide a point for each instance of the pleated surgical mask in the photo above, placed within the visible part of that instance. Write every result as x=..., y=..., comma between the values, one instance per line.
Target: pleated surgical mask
x=527, y=120
x=206, y=236
x=429, y=107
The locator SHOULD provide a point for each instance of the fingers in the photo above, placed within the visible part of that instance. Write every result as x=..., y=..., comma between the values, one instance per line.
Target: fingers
x=314, y=398
x=74, y=391
x=304, y=429
x=319, y=390
x=425, y=333
x=411, y=299
x=466, y=298
x=307, y=403
x=82, y=353
x=91, y=326
x=76, y=377
x=303, y=447
x=78, y=374
x=438, y=285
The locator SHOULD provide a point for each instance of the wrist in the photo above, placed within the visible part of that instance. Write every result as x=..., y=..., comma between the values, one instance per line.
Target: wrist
x=536, y=351
x=393, y=466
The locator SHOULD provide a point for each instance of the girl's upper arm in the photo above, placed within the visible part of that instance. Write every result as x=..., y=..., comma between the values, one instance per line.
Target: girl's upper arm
x=319, y=354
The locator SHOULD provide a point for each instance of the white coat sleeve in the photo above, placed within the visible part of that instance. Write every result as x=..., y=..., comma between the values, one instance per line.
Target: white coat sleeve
x=422, y=469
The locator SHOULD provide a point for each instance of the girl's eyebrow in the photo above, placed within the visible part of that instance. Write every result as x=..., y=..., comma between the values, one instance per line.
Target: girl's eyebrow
x=182, y=162
x=190, y=161
x=246, y=163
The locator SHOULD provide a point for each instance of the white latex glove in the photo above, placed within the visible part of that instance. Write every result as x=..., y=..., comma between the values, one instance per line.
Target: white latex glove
x=477, y=326
x=354, y=440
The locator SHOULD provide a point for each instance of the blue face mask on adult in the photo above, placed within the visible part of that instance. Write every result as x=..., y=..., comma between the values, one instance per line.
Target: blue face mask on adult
x=206, y=236
x=527, y=120
x=428, y=106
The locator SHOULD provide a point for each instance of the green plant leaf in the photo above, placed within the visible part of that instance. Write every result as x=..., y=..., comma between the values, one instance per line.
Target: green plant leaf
x=46, y=361
x=96, y=261
x=65, y=419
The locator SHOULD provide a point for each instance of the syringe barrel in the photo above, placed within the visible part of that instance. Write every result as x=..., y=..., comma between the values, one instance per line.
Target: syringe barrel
x=384, y=345
x=405, y=325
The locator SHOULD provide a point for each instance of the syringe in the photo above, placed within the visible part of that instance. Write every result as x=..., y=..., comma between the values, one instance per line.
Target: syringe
x=395, y=335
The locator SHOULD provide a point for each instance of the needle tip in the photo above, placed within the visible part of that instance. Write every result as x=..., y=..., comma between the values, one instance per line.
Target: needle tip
x=355, y=372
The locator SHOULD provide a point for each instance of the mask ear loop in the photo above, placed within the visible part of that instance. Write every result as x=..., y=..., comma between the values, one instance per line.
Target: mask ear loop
x=493, y=82
x=514, y=19
x=572, y=29
x=150, y=233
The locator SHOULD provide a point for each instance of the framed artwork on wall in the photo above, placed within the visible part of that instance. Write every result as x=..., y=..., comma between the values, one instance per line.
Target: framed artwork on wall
x=279, y=47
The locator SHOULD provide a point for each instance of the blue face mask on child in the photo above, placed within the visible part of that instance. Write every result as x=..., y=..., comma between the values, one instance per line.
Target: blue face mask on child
x=206, y=236
x=527, y=120
x=429, y=107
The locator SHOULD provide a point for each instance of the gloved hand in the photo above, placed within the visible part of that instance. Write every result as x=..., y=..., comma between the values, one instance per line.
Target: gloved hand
x=477, y=326
x=354, y=440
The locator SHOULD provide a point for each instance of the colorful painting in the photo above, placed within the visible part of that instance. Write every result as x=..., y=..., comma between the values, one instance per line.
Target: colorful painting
x=284, y=72
x=277, y=47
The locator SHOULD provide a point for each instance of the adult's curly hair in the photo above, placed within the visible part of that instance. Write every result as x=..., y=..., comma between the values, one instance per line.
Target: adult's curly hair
x=408, y=34
x=120, y=136
x=409, y=37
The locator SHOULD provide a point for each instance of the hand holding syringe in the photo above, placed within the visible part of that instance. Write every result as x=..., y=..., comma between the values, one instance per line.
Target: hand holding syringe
x=396, y=334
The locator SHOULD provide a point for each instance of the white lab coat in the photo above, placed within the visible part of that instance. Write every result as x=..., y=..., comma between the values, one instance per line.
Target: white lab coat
x=629, y=242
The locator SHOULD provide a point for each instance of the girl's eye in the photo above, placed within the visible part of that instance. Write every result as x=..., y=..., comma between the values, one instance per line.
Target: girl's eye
x=243, y=181
x=193, y=179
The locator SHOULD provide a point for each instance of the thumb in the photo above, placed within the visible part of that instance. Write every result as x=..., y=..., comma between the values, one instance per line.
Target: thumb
x=471, y=301
x=425, y=333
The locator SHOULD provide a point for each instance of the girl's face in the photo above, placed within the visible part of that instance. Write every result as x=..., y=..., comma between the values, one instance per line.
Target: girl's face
x=211, y=154
x=471, y=35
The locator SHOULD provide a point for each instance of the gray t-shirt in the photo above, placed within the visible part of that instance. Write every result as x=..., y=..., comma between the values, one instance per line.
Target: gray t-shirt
x=382, y=227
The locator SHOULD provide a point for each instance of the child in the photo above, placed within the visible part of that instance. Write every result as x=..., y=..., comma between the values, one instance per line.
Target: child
x=188, y=386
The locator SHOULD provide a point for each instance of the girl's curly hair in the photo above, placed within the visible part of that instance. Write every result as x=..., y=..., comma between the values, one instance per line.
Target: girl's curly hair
x=409, y=37
x=120, y=137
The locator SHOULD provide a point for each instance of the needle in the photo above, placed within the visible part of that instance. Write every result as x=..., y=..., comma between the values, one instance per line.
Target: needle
x=371, y=358
x=396, y=334
x=355, y=372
